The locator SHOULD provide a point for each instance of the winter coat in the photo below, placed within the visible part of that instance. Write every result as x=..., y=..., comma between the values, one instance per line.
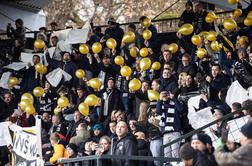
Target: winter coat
x=125, y=146
x=58, y=153
x=169, y=85
x=143, y=149
x=240, y=157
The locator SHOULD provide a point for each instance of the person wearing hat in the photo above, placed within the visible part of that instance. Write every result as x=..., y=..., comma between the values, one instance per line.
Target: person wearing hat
x=203, y=143
x=72, y=150
x=188, y=16
x=97, y=132
x=192, y=157
x=241, y=156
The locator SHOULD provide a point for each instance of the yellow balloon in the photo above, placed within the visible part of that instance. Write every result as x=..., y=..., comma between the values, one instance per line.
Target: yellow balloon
x=39, y=44
x=96, y=47
x=29, y=109
x=249, y=15
x=201, y=52
x=147, y=34
x=63, y=102
x=212, y=14
x=111, y=43
x=248, y=21
x=211, y=36
x=232, y=2
x=156, y=65
x=23, y=103
x=209, y=19
x=237, y=12
x=84, y=109
x=203, y=33
x=173, y=48
x=13, y=81
x=242, y=40
x=84, y=49
x=153, y=95
x=39, y=67
x=56, y=111
x=196, y=40
x=145, y=64
x=128, y=37
x=125, y=71
x=80, y=73
x=119, y=60
x=215, y=46
x=147, y=22
x=44, y=70
x=91, y=100
x=95, y=83
x=135, y=84
x=134, y=51
x=144, y=52
x=27, y=96
x=38, y=91
x=186, y=29
x=229, y=24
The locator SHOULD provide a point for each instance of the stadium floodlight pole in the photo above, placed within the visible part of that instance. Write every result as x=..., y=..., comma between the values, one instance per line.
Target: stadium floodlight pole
x=165, y=10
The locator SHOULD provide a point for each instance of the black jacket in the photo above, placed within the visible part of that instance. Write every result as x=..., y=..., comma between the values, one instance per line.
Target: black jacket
x=125, y=146
x=143, y=149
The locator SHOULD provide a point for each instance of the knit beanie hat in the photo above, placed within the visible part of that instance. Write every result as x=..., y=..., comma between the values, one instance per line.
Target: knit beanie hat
x=73, y=147
x=247, y=130
x=204, y=138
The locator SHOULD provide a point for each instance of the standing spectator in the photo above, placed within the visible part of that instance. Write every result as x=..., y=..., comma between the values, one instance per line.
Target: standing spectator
x=82, y=134
x=187, y=66
x=170, y=110
x=124, y=144
x=168, y=81
x=58, y=149
x=7, y=105
x=201, y=23
x=188, y=16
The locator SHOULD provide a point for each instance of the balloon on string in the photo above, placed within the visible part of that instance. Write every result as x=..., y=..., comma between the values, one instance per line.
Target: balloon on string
x=201, y=52
x=39, y=44
x=186, y=29
x=232, y=2
x=128, y=37
x=29, y=109
x=125, y=71
x=134, y=51
x=38, y=91
x=248, y=21
x=84, y=109
x=242, y=40
x=44, y=70
x=135, y=84
x=111, y=43
x=84, y=49
x=119, y=60
x=28, y=97
x=173, y=48
x=13, y=81
x=196, y=40
x=144, y=52
x=39, y=67
x=211, y=36
x=23, y=103
x=229, y=24
x=147, y=22
x=63, y=102
x=249, y=15
x=153, y=95
x=215, y=46
x=156, y=65
x=96, y=47
x=212, y=14
x=80, y=73
x=237, y=12
x=145, y=64
x=91, y=100
x=147, y=34
x=203, y=33
x=95, y=83
x=209, y=19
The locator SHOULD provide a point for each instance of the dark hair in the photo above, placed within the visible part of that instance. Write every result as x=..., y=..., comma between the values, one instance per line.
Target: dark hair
x=142, y=18
x=36, y=56
x=189, y=3
x=54, y=23
x=43, y=28
x=216, y=64
x=157, y=81
x=186, y=152
x=133, y=26
x=236, y=106
x=19, y=21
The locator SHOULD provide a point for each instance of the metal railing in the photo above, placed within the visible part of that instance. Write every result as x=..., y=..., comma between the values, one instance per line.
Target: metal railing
x=190, y=134
x=98, y=159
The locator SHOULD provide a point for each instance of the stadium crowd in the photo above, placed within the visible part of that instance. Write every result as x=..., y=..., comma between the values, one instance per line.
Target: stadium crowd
x=128, y=96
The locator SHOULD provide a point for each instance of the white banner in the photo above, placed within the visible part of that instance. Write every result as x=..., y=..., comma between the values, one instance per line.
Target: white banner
x=76, y=36
x=27, y=149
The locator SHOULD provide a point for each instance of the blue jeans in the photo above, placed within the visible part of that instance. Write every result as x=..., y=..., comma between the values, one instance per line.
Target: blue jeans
x=155, y=146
